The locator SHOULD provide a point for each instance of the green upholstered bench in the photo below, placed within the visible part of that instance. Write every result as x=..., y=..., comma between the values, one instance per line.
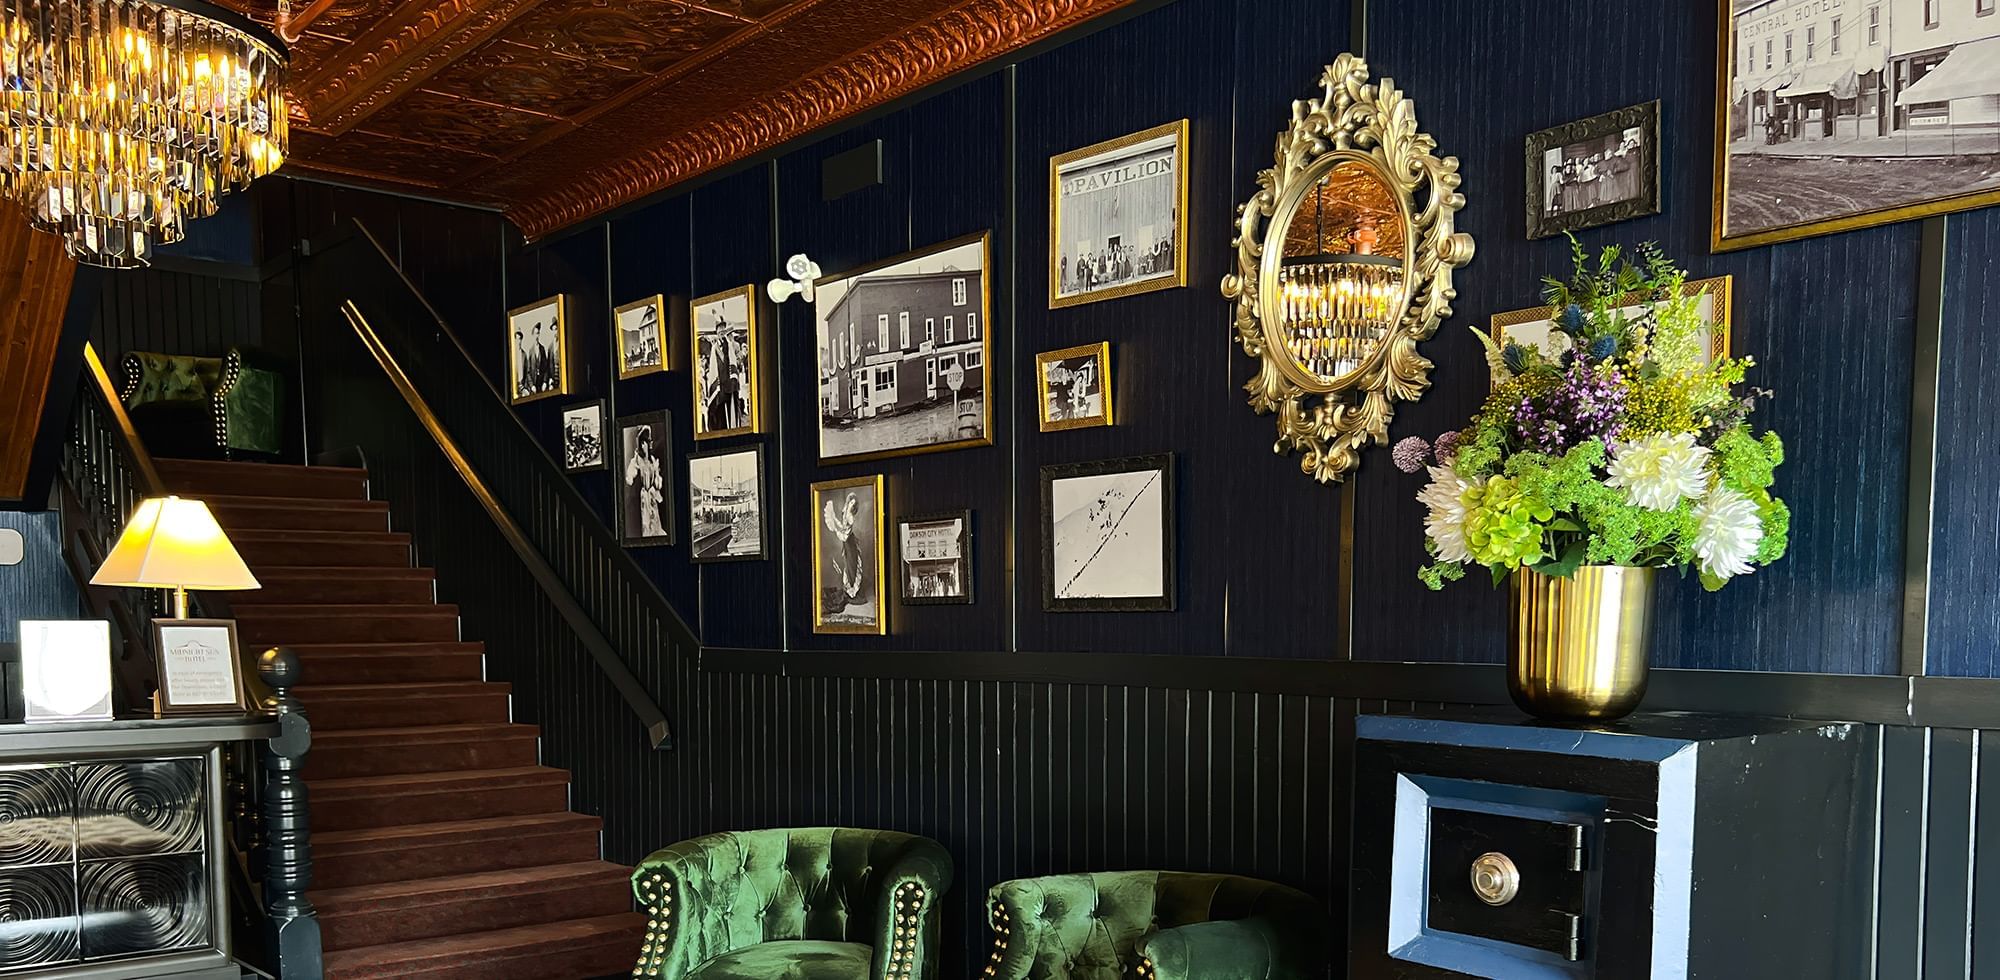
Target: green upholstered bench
x=1172, y=925
x=818, y=903
x=204, y=407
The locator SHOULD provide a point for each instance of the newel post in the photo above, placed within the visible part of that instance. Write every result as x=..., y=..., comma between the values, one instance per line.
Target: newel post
x=293, y=924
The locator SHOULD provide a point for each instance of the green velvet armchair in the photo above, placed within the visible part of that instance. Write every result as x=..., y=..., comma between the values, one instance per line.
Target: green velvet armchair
x=201, y=407
x=819, y=903
x=1169, y=925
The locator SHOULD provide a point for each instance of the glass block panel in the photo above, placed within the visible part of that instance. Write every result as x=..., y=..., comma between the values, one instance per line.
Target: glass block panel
x=38, y=920
x=129, y=809
x=37, y=816
x=142, y=905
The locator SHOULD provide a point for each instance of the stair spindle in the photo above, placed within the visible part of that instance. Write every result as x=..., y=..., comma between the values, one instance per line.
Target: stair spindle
x=294, y=924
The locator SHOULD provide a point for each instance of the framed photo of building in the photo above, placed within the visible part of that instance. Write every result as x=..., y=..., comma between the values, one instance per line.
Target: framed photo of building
x=1074, y=387
x=1534, y=327
x=1832, y=116
x=641, y=327
x=645, y=480
x=725, y=364
x=1594, y=171
x=903, y=349
x=583, y=437
x=538, y=350
x=934, y=555
x=1117, y=217
x=198, y=667
x=726, y=504
x=1108, y=535
x=847, y=556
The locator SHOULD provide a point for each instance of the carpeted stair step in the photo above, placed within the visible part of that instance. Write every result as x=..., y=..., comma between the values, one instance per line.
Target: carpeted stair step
x=347, y=664
x=336, y=623
x=425, y=908
x=433, y=797
x=430, y=748
x=284, y=585
x=363, y=857
x=205, y=478
x=595, y=947
x=251, y=513
x=374, y=549
x=336, y=707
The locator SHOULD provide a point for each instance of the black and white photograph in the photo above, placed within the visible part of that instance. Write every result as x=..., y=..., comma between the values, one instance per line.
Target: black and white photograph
x=645, y=480
x=1838, y=115
x=726, y=504
x=934, y=552
x=1075, y=385
x=1108, y=535
x=1115, y=217
x=725, y=364
x=847, y=556
x=903, y=347
x=538, y=350
x=583, y=437
x=1594, y=171
x=642, y=337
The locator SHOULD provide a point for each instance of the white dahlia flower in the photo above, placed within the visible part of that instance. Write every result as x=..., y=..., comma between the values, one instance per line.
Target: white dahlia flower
x=1446, y=521
x=1728, y=532
x=1658, y=470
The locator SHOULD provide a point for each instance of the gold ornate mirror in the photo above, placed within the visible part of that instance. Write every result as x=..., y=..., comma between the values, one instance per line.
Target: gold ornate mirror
x=1344, y=260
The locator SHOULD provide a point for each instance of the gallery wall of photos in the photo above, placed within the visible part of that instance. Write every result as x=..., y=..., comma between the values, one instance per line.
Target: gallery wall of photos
x=1255, y=560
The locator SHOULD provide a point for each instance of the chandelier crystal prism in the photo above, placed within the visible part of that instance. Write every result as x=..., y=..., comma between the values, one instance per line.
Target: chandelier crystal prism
x=126, y=119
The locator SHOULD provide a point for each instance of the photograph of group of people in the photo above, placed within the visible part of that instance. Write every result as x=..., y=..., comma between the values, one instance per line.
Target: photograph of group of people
x=537, y=365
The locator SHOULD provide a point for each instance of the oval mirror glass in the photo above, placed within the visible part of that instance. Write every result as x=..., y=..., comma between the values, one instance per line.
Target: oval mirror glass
x=1342, y=274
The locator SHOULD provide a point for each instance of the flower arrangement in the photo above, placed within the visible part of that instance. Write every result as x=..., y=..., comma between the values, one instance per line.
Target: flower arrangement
x=1622, y=445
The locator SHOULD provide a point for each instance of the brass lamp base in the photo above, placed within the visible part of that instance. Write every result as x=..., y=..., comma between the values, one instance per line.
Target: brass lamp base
x=1578, y=650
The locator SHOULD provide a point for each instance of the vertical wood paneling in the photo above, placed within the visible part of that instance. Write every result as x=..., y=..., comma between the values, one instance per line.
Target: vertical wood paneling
x=1948, y=854
x=1899, y=905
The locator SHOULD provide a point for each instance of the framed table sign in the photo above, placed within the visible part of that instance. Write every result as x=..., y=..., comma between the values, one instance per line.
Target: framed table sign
x=66, y=670
x=199, y=670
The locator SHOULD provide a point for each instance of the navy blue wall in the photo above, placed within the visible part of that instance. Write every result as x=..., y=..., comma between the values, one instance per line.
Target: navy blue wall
x=1831, y=321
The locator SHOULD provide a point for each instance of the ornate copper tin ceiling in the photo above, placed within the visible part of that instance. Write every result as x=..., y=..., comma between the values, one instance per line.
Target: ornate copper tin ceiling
x=559, y=110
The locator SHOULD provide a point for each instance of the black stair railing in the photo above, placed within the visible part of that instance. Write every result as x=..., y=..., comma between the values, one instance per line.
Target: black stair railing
x=105, y=472
x=605, y=600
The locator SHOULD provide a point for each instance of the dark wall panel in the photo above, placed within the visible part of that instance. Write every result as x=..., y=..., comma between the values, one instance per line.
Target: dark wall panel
x=1964, y=617
x=1842, y=405
x=175, y=312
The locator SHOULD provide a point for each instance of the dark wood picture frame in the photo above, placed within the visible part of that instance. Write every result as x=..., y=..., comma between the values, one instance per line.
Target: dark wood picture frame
x=964, y=516
x=1646, y=118
x=163, y=667
x=603, y=436
x=1170, y=570
x=763, y=508
x=663, y=449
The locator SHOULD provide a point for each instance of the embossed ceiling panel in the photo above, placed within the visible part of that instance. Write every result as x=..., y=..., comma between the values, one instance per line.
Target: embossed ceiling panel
x=562, y=109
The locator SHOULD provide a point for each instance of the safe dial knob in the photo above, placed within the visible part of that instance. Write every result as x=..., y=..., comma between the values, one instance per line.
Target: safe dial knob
x=1495, y=879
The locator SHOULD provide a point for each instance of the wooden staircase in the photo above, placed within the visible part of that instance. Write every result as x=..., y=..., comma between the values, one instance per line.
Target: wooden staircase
x=442, y=849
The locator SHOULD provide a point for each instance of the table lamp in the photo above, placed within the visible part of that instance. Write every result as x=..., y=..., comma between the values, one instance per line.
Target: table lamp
x=174, y=543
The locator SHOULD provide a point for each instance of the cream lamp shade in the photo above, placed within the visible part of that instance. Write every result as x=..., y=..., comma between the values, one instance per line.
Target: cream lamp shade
x=174, y=543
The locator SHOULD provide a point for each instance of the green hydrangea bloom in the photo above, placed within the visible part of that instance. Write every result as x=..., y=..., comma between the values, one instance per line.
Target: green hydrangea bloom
x=1503, y=525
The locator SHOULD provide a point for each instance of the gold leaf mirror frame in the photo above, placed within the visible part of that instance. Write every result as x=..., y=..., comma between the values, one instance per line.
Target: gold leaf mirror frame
x=1369, y=129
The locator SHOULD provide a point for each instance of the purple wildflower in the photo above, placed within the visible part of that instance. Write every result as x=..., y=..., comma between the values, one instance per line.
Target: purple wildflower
x=1411, y=454
x=1586, y=404
x=1446, y=447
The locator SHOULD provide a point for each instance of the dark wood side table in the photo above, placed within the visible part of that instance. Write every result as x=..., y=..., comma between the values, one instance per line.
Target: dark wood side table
x=1489, y=844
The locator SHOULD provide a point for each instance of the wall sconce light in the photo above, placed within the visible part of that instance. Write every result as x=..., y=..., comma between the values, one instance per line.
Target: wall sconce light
x=804, y=273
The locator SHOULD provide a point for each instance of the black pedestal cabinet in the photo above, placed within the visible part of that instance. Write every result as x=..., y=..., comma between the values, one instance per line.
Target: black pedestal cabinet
x=1662, y=846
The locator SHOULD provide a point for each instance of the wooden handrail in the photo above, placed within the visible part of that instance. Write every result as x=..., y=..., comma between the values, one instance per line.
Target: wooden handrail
x=657, y=729
x=150, y=483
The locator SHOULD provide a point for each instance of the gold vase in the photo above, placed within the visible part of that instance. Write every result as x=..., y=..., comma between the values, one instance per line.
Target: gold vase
x=1578, y=651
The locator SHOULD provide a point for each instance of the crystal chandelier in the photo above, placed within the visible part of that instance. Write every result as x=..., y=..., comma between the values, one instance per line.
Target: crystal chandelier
x=125, y=119
x=1337, y=306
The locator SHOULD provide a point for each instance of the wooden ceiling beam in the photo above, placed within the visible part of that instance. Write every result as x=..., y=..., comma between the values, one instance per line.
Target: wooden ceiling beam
x=35, y=278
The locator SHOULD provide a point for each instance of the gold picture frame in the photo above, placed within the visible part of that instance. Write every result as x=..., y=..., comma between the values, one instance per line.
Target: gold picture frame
x=1719, y=288
x=518, y=336
x=842, y=355
x=747, y=372
x=828, y=522
x=1117, y=155
x=1807, y=76
x=1099, y=355
x=658, y=304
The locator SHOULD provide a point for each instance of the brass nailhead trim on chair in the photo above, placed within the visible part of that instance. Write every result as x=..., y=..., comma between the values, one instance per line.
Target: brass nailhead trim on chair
x=1002, y=930
x=907, y=913
x=659, y=901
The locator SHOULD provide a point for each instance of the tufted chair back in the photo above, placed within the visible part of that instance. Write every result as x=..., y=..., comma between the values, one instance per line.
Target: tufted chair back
x=724, y=892
x=1096, y=926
